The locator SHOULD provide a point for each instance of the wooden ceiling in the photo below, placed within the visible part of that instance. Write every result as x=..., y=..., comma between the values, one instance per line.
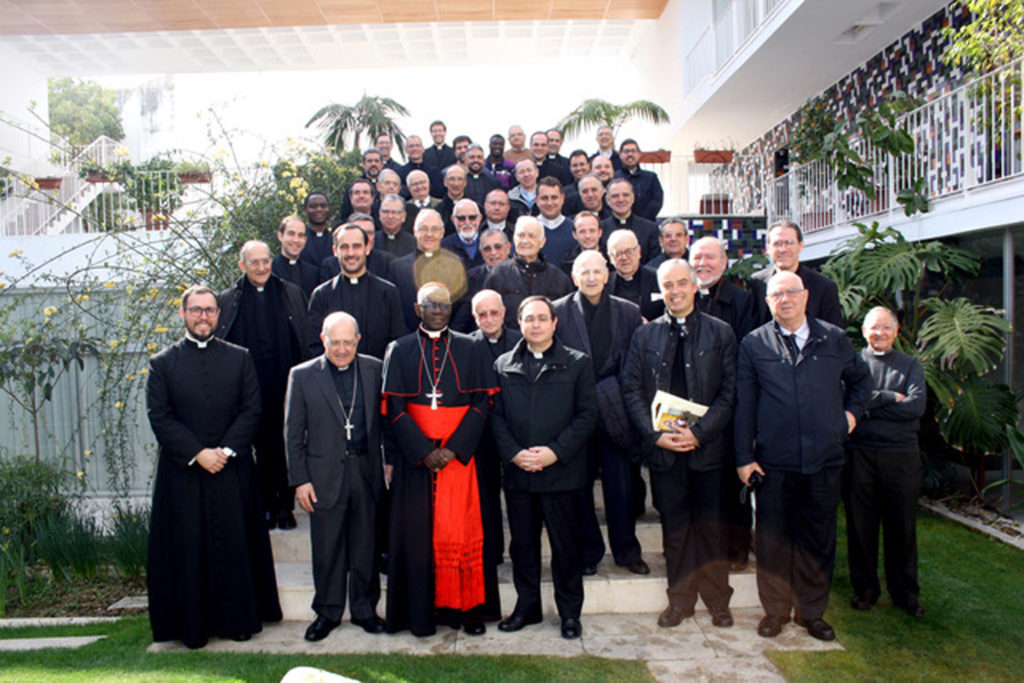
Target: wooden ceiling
x=32, y=17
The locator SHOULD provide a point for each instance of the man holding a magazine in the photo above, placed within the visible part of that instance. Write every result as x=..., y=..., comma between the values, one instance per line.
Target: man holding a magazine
x=679, y=385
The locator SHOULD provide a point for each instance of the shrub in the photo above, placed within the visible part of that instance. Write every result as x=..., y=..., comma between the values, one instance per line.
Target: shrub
x=70, y=545
x=128, y=541
x=30, y=492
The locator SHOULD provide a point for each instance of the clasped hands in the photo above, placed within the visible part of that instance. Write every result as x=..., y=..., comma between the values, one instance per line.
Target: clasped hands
x=437, y=459
x=535, y=458
x=212, y=460
x=680, y=440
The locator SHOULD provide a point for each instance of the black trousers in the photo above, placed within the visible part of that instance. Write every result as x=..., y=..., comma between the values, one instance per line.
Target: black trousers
x=796, y=540
x=268, y=444
x=691, y=510
x=739, y=521
x=880, y=488
x=619, y=479
x=344, y=549
x=559, y=512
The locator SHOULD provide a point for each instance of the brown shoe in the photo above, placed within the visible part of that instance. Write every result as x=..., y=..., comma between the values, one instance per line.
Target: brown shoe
x=673, y=615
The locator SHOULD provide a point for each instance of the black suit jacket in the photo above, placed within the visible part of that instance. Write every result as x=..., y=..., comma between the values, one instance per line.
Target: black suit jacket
x=822, y=295
x=294, y=310
x=572, y=329
x=731, y=304
x=439, y=158
x=302, y=273
x=650, y=302
x=315, y=427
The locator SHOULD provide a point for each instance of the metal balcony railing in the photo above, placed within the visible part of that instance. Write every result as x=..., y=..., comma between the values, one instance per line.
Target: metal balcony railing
x=963, y=140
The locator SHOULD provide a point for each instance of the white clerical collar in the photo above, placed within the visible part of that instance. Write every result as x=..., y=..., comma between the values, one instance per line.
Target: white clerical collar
x=537, y=354
x=391, y=237
x=680, y=321
x=433, y=334
x=292, y=261
x=430, y=254
x=260, y=289
x=342, y=369
x=492, y=340
x=551, y=223
x=355, y=280
x=200, y=344
x=879, y=353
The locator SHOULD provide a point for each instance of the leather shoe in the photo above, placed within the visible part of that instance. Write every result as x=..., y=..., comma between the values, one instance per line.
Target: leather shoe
x=320, y=627
x=241, y=637
x=516, y=623
x=914, y=608
x=860, y=603
x=771, y=626
x=639, y=567
x=721, y=616
x=571, y=628
x=372, y=625
x=818, y=628
x=673, y=615
x=474, y=628
x=589, y=569
x=286, y=520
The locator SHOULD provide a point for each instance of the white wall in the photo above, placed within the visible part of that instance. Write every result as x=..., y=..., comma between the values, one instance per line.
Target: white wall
x=21, y=86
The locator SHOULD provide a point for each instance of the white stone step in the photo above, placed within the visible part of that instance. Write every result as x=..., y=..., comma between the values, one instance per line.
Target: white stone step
x=613, y=590
x=293, y=545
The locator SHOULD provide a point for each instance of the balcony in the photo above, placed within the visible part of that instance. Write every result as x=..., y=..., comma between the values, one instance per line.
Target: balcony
x=967, y=143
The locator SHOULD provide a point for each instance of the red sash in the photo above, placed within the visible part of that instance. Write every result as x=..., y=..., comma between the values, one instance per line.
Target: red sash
x=458, y=530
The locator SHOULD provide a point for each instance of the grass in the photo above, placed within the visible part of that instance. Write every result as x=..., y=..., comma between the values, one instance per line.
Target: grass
x=122, y=656
x=973, y=589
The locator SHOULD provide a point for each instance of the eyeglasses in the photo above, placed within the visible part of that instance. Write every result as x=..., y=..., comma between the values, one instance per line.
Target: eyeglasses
x=393, y=212
x=198, y=311
x=492, y=247
x=781, y=294
x=470, y=217
x=784, y=243
x=624, y=252
x=434, y=306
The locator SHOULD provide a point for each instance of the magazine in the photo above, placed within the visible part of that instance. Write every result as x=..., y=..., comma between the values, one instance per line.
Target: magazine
x=668, y=411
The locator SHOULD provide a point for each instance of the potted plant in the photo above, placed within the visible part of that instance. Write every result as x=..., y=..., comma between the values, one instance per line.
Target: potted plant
x=191, y=171
x=94, y=172
x=155, y=189
x=712, y=156
x=48, y=182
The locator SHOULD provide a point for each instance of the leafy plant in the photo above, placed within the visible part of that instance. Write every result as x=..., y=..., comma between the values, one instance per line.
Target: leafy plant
x=993, y=38
x=957, y=341
x=70, y=545
x=595, y=112
x=81, y=111
x=371, y=115
x=129, y=535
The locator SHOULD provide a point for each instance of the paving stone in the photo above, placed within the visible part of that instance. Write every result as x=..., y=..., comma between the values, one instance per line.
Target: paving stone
x=724, y=669
x=58, y=643
x=131, y=602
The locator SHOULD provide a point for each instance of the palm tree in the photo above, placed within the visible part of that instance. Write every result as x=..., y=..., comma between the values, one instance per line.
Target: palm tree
x=371, y=115
x=595, y=112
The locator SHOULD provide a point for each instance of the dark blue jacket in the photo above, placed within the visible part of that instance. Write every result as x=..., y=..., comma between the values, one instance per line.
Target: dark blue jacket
x=795, y=413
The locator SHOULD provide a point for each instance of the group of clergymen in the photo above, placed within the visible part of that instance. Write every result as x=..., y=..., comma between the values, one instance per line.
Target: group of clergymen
x=396, y=397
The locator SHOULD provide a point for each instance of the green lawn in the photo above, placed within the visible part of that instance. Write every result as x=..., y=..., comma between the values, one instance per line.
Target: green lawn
x=973, y=589
x=122, y=656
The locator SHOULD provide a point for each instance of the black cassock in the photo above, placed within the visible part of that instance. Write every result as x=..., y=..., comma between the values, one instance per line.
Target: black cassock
x=210, y=572
x=465, y=382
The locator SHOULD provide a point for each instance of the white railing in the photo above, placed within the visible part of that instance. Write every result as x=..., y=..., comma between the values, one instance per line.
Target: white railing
x=146, y=199
x=965, y=139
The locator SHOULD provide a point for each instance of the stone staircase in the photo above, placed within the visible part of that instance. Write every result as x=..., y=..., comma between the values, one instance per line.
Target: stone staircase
x=613, y=590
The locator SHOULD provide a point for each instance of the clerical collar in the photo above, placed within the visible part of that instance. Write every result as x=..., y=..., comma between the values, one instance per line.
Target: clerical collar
x=200, y=344
x=705, y=289
x=879, y=353
x=260, y=289
x=679, y=321
x=537, y=354
x=492, y=340
x=293, y=261
x=391, y=237
x=623, y=221
x=342, y=369
x=627, y=279
x=429, y=254
x=354, y=280
x=433, y=334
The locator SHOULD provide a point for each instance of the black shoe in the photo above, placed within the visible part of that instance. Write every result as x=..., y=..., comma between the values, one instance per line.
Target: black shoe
x=271, y=519
x=195, y=644
x=372, y=625
x=673, y=615
x=913, y=608
x=860, y=603
x=771, y=626
x=589, y=569
x=639, y=567
x=286, y=520
x=474, y=628
x=241, y=637
x=819, y=628
x=320, y=627
x=571, y=628
x=721, y=616
x=516, y=623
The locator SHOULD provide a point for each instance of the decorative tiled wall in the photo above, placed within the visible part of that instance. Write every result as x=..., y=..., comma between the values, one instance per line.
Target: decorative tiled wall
x=742, y=235
x=911, y=64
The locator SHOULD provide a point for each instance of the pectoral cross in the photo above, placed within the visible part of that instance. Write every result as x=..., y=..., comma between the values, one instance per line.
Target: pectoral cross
x=348, y=430
x=433, y=396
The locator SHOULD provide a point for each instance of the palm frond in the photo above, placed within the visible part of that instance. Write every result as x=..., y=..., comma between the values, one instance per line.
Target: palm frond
x=645, y=110
x=596, y=112
x=959, y=334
